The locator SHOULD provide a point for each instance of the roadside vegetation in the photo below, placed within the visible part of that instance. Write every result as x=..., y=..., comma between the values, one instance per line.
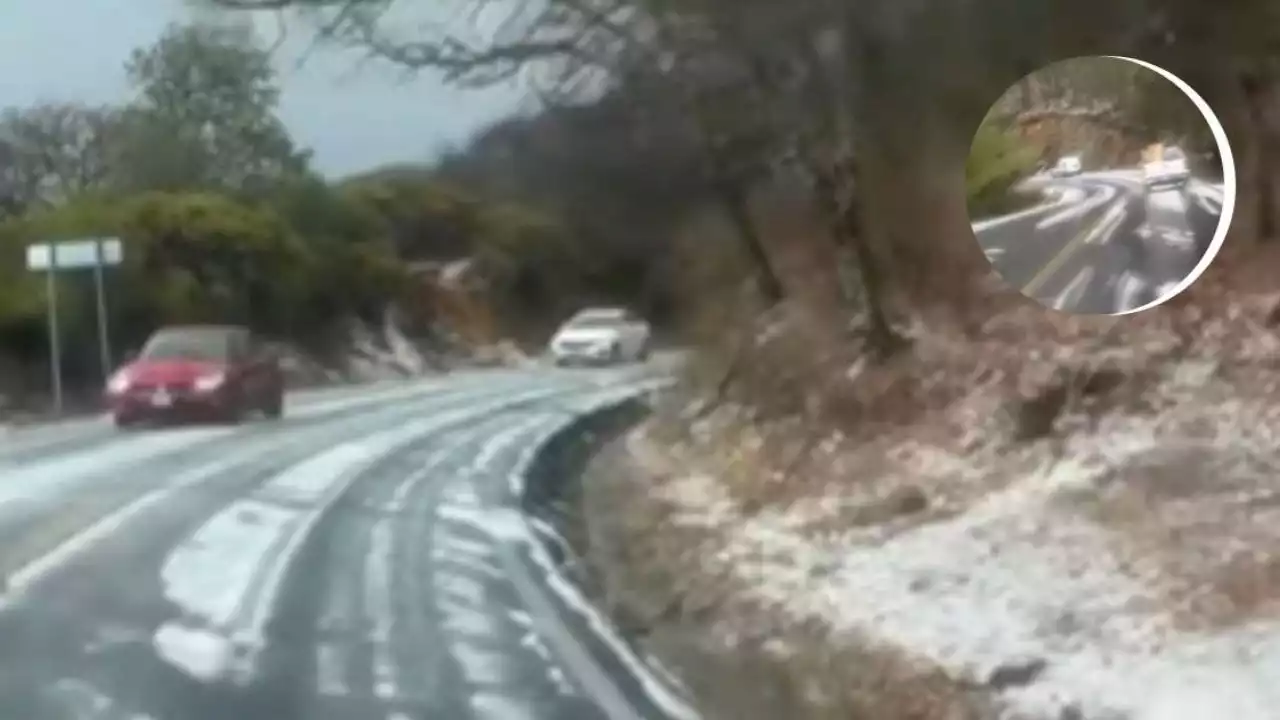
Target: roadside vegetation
x=224, y=220
x=999, y=160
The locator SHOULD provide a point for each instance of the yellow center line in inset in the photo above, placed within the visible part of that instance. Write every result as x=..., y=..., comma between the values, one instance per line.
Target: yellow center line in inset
x=1036, y=283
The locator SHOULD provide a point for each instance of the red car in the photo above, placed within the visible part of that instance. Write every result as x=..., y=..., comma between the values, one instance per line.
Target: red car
x=197, y=372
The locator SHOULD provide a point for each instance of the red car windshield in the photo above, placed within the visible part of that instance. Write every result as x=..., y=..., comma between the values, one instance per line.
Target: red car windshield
x=210, y=346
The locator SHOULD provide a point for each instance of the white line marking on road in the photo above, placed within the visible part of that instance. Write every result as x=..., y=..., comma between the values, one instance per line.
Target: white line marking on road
x=51, y=479
x=34, y=571
x=1210, y=205
x=499, y=443
x=1208, y=191
x=1130, y=286
x=1105, y=194
x=1106, y=228
x=1066, y=196
x=1074, y=290
x=401, y=497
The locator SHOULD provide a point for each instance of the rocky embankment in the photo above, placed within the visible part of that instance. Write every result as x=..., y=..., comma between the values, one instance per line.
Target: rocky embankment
x=1090, y=530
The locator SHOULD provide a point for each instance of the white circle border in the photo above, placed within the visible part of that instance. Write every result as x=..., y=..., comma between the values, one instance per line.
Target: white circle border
x=1228, y=185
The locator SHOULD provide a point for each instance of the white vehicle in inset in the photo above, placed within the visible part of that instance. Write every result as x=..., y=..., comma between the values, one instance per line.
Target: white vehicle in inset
x=601, y=336
x=1167, y=168
x=1068, y=166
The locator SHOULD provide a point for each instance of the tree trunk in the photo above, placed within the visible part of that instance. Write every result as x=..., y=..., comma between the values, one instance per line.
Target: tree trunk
x=736, y=206
x=1252, y=173
x=1263, y=94
x=917, y=209
x=838, y=201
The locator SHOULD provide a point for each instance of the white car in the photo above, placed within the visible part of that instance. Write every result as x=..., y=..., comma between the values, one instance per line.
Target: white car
x=1169, y=169
x=1068, y=166
x=601, y=336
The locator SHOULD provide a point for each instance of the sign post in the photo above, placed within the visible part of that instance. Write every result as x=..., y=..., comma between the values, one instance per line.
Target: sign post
x=102, y=258
x=96, y=254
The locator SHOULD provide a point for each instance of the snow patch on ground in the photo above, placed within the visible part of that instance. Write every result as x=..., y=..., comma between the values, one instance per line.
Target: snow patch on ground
x=1059, y=196
x=1046, y=573
x=403, y=352
x=201, y=654
x=212, y=573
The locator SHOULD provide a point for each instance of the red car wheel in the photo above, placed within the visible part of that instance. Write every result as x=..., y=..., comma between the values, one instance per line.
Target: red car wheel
x=274, y=409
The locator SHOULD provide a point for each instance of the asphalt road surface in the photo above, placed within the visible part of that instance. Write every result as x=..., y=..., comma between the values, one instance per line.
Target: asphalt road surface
x=1107, y=245
x=362, y=559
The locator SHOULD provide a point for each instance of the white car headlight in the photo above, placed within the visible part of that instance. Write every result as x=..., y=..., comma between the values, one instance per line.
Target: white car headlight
x=118, y=383
x=210, y=382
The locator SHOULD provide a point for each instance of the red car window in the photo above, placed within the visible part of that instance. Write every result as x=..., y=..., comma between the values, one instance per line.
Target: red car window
x=206, y=345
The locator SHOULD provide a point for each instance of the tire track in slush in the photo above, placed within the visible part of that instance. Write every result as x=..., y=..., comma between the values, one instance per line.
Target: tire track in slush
x=237, y=622
x=389, y=658
x=508, y=665
x=474, y=603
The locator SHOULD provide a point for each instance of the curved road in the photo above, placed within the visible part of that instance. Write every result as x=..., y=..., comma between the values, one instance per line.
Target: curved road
x=362, y=559
x=1107, y=244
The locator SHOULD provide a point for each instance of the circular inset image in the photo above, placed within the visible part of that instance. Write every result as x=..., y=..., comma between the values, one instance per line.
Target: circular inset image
x=1100, y=185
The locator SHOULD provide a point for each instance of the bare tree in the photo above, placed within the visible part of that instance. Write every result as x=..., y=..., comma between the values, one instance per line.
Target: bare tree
x=885, y=92
x=53, y=151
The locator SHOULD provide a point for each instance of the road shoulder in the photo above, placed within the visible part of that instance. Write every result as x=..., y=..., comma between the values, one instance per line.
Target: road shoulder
x=737, y=657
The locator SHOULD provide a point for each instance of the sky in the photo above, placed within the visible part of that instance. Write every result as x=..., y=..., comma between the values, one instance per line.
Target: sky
x=353, y=115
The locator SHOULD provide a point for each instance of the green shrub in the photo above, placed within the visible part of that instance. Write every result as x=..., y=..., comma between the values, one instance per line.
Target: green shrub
x=998, y=160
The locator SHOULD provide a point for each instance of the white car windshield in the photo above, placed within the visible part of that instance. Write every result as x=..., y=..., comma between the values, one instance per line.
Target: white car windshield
x=595, y=322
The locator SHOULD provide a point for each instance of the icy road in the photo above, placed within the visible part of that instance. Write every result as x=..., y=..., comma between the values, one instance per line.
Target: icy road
x=364, y=559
